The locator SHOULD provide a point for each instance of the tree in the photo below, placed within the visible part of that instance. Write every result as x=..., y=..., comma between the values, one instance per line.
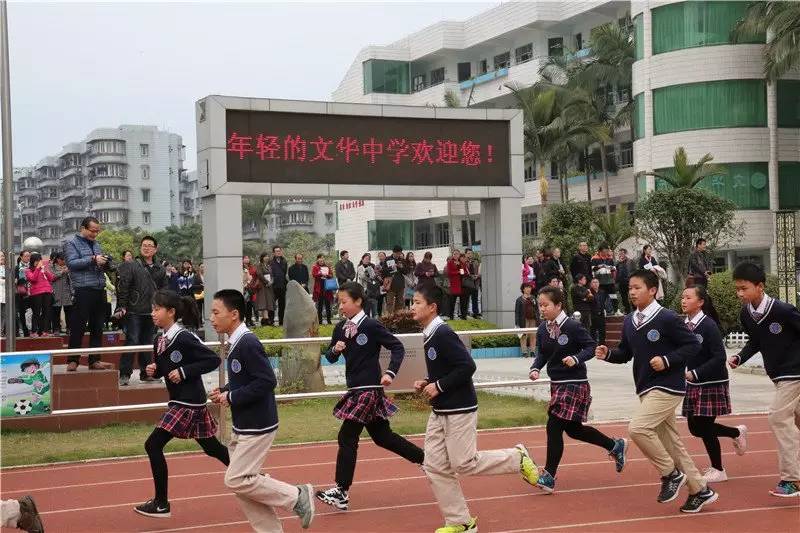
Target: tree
x=685, y=175
x=565, y=225
x=780, y=22
x=115, y=241
x=671, y=220
x=300, y=242
x=177, y=243
x=451, y=99
x=614, y=228
x=258, y=210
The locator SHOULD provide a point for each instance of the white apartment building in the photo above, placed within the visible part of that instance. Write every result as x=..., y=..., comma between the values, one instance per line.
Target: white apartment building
x=691, y=88
x=317, y=217
x=480, y=60
x=130, y=176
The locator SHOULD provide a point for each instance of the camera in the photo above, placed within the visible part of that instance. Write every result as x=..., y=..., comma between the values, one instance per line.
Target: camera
x=109, y=263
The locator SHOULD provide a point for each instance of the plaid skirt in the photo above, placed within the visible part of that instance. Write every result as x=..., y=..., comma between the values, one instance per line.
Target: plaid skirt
x=707, y=400
x=188, y=422
x=570, y=401
x=364, y=406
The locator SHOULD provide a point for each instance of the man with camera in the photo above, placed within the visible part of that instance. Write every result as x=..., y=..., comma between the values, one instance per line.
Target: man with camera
x=87, y=266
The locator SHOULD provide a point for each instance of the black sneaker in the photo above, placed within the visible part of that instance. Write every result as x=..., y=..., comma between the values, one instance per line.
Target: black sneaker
x=618, y=453
x=335, y=497
x=670, y=485
x=695, y=502
x=153, y=510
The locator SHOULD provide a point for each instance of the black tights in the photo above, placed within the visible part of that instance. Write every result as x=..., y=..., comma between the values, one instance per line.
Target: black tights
x=575, y=429
x=708, y=430
x=382, y=435
x=154, y=445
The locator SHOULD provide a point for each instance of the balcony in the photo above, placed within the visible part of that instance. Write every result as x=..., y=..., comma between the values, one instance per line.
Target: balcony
x=47, y=181
x=109, y=203
x=29, y=210
x=107, y=181
x=28, y=192
x=107, y=157
x=49, y=201
x=73, y=212
x=70, y=171
x=484, y=78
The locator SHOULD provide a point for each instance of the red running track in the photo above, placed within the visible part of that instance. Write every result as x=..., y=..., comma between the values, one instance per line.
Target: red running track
x=391, y=495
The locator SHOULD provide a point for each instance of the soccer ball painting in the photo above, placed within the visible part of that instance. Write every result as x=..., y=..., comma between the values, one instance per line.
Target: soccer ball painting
x=23, y=407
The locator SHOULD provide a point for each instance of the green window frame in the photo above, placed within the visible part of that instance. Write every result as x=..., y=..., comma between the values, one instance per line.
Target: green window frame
x=638, y=37
x=744, y=184
x=789, y=185
x=706, y=105
x=385, y=234
x=695, y=24
x=789, y=103
x=638, y=116
x=386, y=76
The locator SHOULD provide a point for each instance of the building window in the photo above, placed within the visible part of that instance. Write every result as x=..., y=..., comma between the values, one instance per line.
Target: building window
x=329, y=219
x=464, y=241
x=638, y=37
x=789, y=103
x=789, y=185
x=714, y=104
x=523, y=54
x=638, y=116
x=145, y=172
x=555, y=47
x=437, y=76
x=483, y=67
x=744, y=184
x=464, y=71
x=502, y=60
x=385, y=234
x=693, y=24
x=578, y=41
x=625, y=157
x=530, y=174
x=145, y=217
x=146, y=196
x=442, y=234
x=630, y=207
x=385, y=76
x=418, y=83
x=144, y=150
x=530, y=224
x=422, y=235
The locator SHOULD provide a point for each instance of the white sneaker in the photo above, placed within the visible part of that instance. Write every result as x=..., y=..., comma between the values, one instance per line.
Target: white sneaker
x=712, y=475
x=740, y=442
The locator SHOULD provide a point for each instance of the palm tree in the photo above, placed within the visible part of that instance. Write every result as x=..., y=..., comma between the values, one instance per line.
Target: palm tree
x=685, y=175
x=780, y=21
x=614, y=228
x=258, y=210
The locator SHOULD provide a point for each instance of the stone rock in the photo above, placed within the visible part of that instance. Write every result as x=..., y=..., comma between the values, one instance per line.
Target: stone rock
x=300, y=365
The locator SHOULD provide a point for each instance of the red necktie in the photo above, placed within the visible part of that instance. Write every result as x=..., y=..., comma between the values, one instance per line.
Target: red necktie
x=350, y=329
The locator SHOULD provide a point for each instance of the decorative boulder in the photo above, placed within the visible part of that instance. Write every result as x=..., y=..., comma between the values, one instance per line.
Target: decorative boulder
x=300, y=365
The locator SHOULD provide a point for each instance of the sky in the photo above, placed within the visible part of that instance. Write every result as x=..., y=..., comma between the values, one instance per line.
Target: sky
x=80, y=66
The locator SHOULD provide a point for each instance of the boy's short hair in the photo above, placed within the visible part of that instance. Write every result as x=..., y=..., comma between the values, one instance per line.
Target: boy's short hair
x=647, y=276
x=149, y=238
x=524, y=285
x=699, y=241
x=233, y=300
x=343, y=253
x=432, y=295
x=749, y=272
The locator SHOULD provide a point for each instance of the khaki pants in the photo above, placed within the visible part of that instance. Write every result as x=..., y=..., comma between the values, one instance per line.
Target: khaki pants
x=784, y=419
x=653, y=430
x=258, y=494
x=450, y=451
x=528, y=338
x=10, y=513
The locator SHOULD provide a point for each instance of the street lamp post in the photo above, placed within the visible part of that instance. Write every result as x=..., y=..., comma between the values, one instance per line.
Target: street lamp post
x=8, y=178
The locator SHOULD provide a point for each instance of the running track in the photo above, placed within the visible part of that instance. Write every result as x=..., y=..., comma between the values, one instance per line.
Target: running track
x=390, y=495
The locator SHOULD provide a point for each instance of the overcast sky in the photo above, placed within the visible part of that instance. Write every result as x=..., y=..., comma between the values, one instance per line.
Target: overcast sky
x=79, y=66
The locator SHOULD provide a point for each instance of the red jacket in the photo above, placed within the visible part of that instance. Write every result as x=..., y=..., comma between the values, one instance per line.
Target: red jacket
x=319, y=283
x=40, y=280
x=452, y=271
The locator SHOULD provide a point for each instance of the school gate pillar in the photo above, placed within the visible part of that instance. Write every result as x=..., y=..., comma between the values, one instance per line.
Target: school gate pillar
x=501, y=258
x=222, y=248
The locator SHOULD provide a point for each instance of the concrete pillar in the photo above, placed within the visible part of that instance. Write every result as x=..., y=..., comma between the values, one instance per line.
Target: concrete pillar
x=501, y=255
x=647, y=27
x=772, y=125
x=222, y=247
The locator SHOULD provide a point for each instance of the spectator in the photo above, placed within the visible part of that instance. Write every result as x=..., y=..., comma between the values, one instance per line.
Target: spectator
x=200, y=291
x=280, y=269
x=345, y=271
x=265, y=296
x=553, y=267
x=555, y=282
x=62, y=293
x=386, y=281
x=186, y=278
x=699, y=264
x=426, y=271
x=320, y=272
x=127, y=256
x=624, y=268
x=172, y=276
x=528, y=274
x=410, y=279
x=604, y=270
x=299, y=271
x=40, y=278
x=599, y=298
x=137, y=282
x=396, y=271
x=111, y=294
x=455, y=272
x=538, y=267
x=647, y=261
x=468, y=287
x=252, y=285
x=87, y=265
x=367, y=277
x=525, y=317
x=582, y=300
x=22, y=296
x=475, y=273
x=581, y=262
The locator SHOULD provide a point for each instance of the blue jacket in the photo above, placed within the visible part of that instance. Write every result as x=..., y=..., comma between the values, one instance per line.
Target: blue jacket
x=450, y=367
x=663, y=335
x=574, y=341
x=83, y=271
x=777, y=337
x=251, y=387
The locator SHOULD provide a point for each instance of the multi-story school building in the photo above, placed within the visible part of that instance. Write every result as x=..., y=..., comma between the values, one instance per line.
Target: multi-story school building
x=691, y=87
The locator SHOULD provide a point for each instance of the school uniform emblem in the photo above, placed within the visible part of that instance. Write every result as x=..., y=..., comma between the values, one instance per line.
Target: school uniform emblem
x=175, y=356
x=563, y=339
x=432, y=353
x=236, y=366
x=361, y=340
x=775, y=328
x=699, y=338
x=653, y=335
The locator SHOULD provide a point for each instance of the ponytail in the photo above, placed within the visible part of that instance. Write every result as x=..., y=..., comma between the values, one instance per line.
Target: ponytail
x=185, y=307
x=708, y=305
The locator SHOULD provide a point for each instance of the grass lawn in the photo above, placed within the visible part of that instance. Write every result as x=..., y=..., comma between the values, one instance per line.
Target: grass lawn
x=300, y=421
